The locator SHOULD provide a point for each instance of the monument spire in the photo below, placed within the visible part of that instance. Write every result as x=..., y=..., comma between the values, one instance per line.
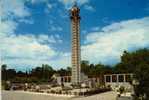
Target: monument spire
x=75, y=56
x=75, y=4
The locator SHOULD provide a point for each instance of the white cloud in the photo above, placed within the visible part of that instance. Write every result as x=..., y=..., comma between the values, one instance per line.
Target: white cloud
x=89, y=7
x=7, y=27
x=95, y=28
x=55, y=28
x=37, y=1
x=107, y=45
x=26, y=21
x=49, y=6
x=49, y=39
x=25, y=47
x=63, y=60
x=69, y=3
x=27, y=50
x=24, y=51
x=13, y=7
x=84, y=32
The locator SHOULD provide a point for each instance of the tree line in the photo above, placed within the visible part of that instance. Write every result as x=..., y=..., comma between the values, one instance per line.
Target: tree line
x=36, y=75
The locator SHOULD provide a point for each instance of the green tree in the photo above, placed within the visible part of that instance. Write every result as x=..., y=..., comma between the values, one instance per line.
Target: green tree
x=68, y=70
x=130, y=60
x=85, y=67
x=62, y=72
x=136, y=62
x=4, y=72
x=142, y=75
x=11, y=73
x=43, y=73
x=95, y=69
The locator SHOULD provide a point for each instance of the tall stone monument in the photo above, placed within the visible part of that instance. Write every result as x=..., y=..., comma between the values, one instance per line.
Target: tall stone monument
x=76, y=58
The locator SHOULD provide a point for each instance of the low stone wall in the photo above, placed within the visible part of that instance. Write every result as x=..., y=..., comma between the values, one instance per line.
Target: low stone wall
x=117, y=85
x=73, y=92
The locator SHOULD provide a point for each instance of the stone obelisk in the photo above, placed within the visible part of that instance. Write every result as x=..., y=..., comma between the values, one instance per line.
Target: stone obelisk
x=76, y=58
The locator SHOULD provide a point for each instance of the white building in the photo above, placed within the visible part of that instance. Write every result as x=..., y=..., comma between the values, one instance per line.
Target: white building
x=117, y=80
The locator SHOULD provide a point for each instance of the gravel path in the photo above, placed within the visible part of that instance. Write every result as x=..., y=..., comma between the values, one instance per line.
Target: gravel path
x=11, y=95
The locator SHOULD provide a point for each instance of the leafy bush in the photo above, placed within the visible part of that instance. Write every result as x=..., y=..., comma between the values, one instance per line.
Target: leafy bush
x=96, y=91
x=121, y=89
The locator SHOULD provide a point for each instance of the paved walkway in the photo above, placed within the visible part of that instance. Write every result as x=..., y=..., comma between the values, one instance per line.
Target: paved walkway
x=124, y=98
x=19, y=95
x=103, y=96
x=16, y=95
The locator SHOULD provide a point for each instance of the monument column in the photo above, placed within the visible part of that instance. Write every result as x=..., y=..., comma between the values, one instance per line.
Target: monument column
x=75, y=56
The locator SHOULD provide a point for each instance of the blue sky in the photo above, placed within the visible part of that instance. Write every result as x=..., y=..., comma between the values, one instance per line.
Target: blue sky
x=35, y=32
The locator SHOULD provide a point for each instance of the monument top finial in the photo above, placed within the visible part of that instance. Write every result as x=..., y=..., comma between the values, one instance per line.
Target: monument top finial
x=74, y=11
x=75, y=7
x=75, y=4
